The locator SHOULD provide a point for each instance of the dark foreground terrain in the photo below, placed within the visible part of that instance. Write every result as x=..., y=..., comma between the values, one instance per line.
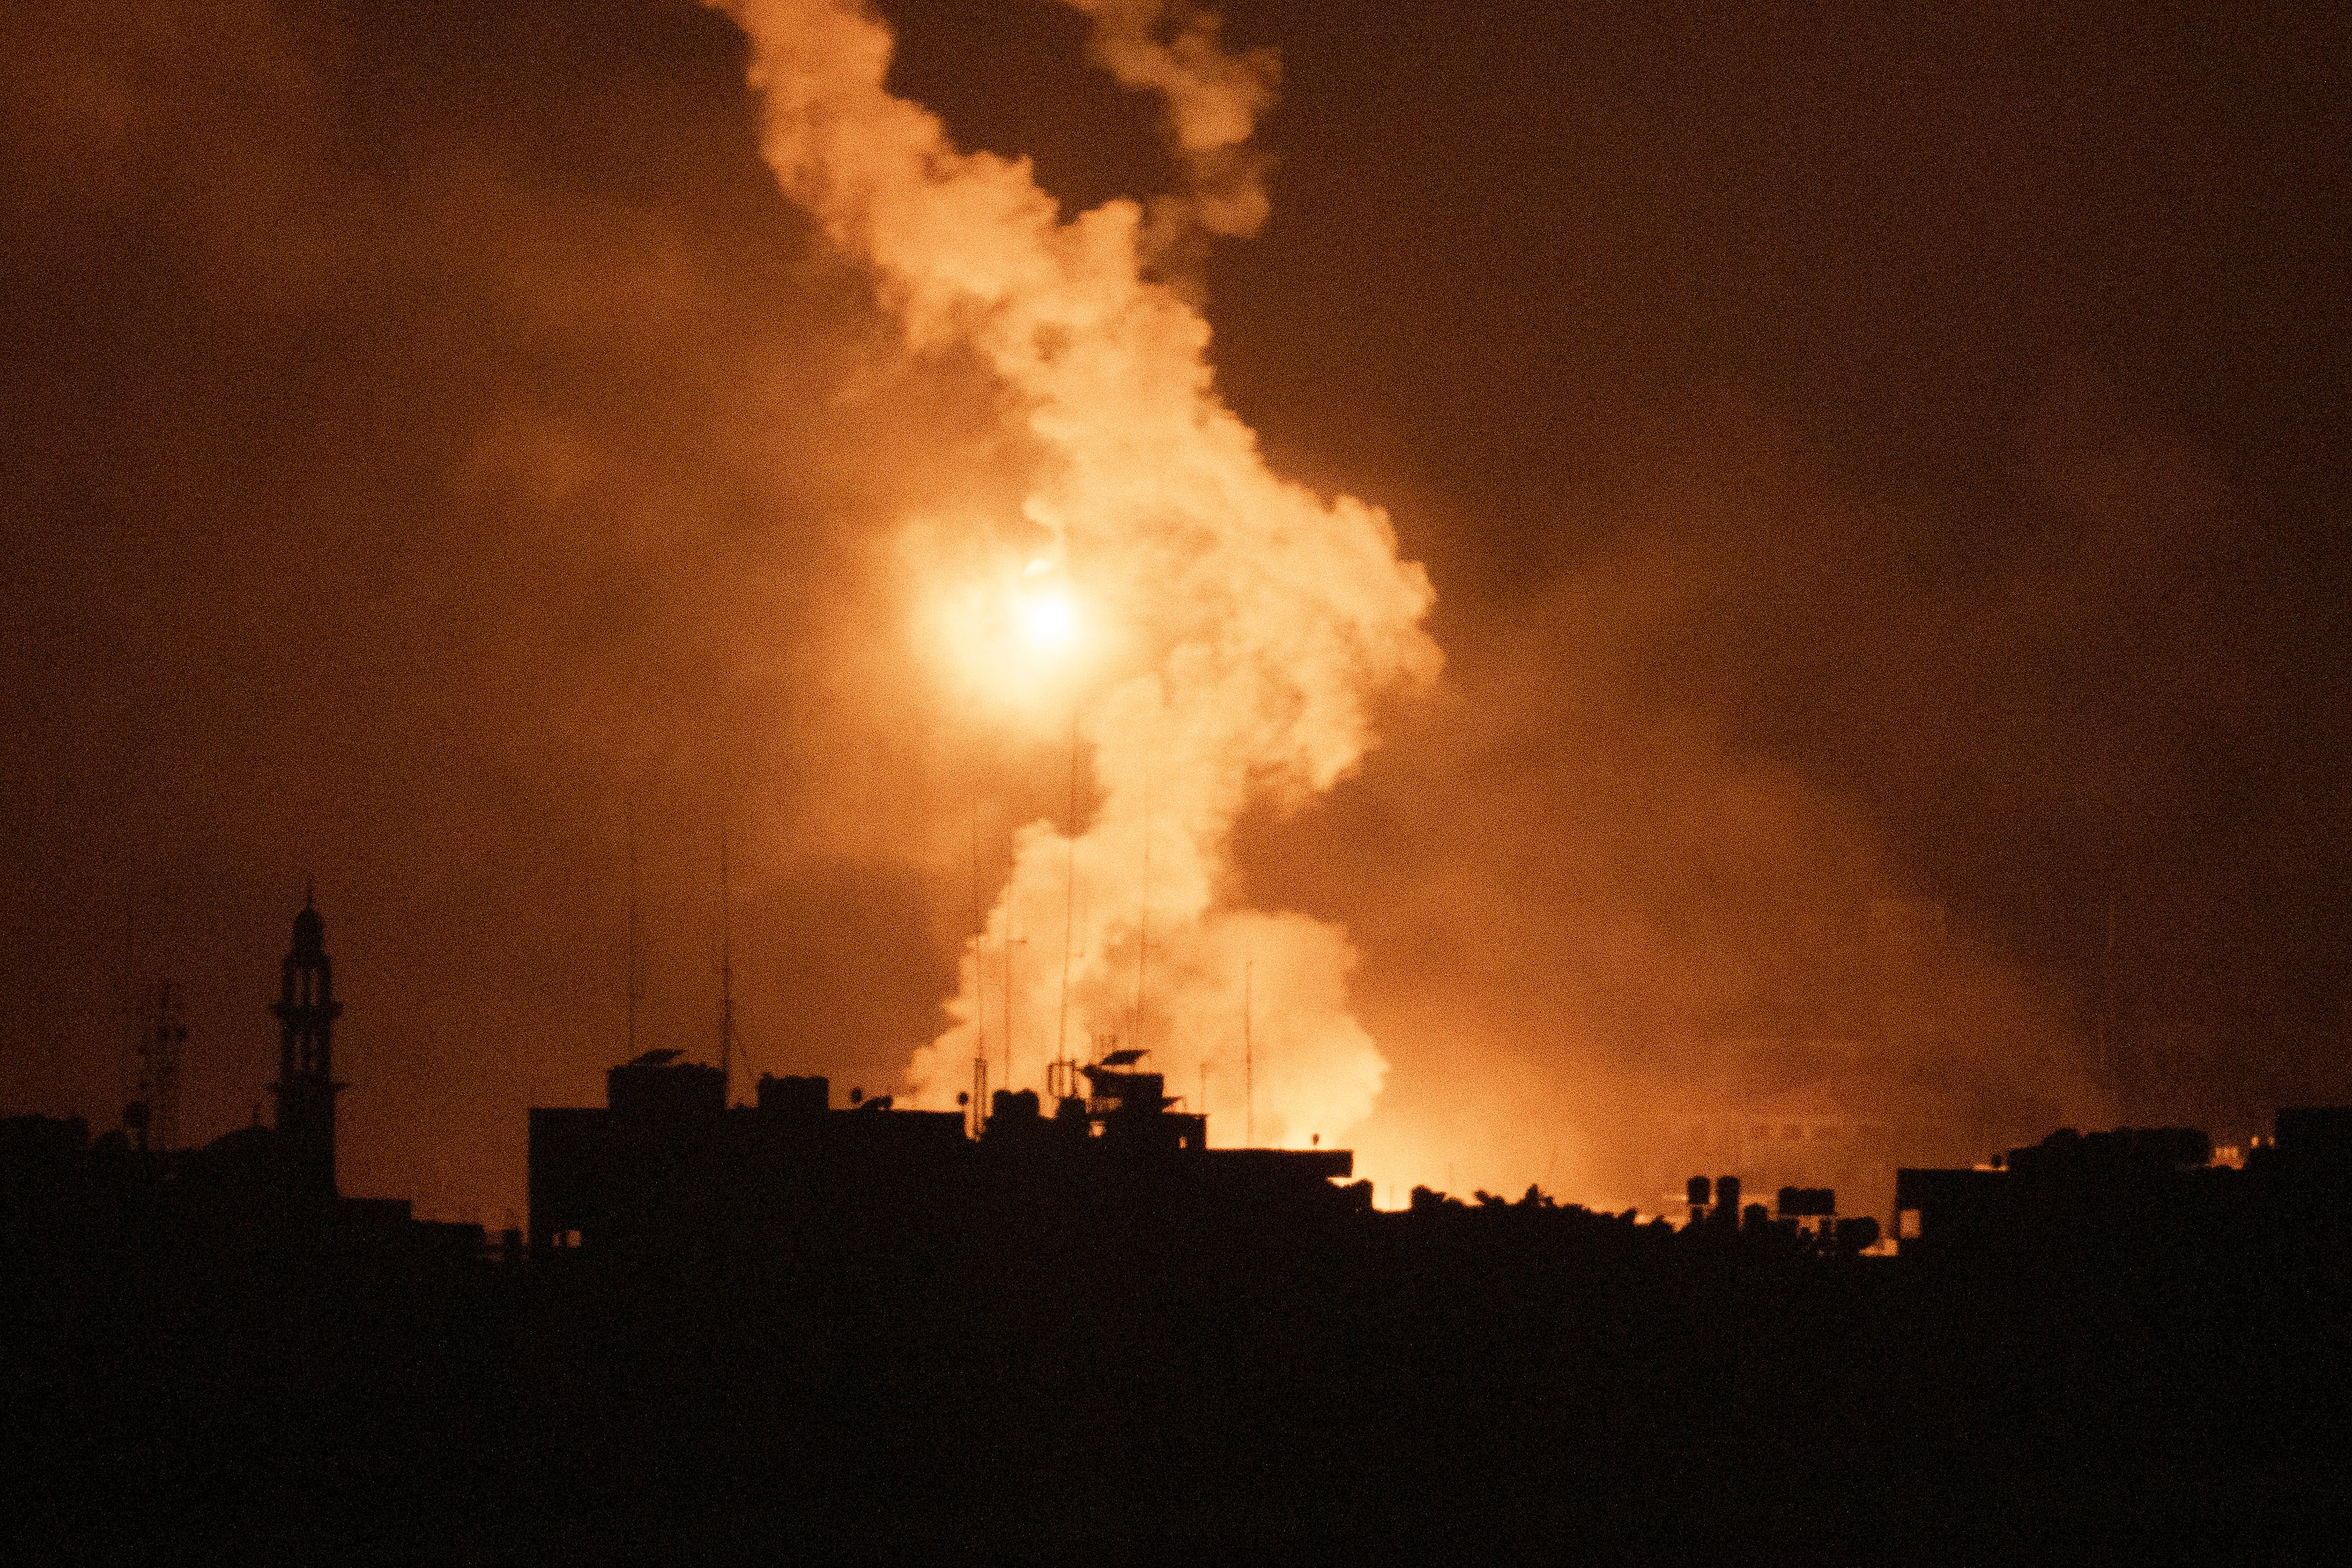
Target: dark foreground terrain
x=1483, y=1383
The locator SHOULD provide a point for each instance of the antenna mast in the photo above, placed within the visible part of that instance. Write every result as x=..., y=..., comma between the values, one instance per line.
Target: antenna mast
x=1069, y=898
x=164, y=1033
x=1249, y=1061
x=634, y=990
x=726, y=975
x=978, y=986
x=1010, y=943
x=126, y=1002
x=1143, y=909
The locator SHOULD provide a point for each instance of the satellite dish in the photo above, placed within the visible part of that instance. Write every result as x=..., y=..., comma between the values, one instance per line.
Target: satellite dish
x=1124, y=1058
x=657, y=1058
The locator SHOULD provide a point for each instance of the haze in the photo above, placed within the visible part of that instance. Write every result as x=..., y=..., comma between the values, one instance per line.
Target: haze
x=1879, y=479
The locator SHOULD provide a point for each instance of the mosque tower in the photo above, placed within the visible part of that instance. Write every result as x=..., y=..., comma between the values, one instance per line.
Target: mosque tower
x=305, y=1086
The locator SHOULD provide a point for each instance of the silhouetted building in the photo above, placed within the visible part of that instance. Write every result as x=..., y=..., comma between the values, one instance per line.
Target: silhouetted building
x=306, y=1010
x=793, y=1096
x=658, y=1086
x=666, y=1160
x=1817, y=1204
x=1951, y=1209
x=254, y=1187
x=1130, y=1107
x=2136, y=1188
x=2317, y=1136
x=2306, y=1171
x=666, y=1165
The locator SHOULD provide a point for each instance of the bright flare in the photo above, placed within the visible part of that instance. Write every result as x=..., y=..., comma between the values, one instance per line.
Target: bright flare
x=1233, y=629
x=1048, y=621
x=1023, y=642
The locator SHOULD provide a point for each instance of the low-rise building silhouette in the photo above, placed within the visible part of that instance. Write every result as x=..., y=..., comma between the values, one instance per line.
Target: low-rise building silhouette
x=2149, y=1189
x=666, y=1162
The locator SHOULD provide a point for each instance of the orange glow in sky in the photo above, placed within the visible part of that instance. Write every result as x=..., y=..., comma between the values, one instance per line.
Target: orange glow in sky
x=1046, y=614
x=1023, y=640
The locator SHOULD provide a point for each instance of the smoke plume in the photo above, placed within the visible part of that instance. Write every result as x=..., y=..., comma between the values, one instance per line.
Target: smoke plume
x=1213, y=634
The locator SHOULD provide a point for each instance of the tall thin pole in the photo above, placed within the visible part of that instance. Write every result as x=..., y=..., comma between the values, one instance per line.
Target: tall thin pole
x=1009, y=940
x=129, y=998
x=979, y=982
x=1249, y=1061
x=979, y=947
x=632, y=986
x=1143, y=913
x=2106, y=1019
x=726, y=976
x=1069, y=897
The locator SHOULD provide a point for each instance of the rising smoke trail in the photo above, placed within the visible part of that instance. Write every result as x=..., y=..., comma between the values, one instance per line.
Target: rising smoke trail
x=1234, y=626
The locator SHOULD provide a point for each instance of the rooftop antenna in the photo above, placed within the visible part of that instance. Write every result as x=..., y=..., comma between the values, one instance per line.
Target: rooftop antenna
x=1011, y=941
x=1069, y=896
x=1143, y=910
x=978, y=984
x=163, y=1034
x=127, y=1002
x=1249, y=1061
x=726, y=973
x=634, y=989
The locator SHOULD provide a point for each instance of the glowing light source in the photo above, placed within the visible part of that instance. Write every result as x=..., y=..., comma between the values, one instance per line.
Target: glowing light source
x=1048, y=620
x=1021, y=634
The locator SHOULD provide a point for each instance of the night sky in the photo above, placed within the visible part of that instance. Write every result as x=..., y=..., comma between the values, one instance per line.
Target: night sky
x=1869, y=463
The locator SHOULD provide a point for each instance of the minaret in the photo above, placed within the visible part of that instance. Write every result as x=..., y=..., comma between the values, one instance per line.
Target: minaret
x=305, y=1086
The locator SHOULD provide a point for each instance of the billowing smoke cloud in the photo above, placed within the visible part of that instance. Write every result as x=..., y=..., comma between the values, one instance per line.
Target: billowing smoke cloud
x=1214, y=633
